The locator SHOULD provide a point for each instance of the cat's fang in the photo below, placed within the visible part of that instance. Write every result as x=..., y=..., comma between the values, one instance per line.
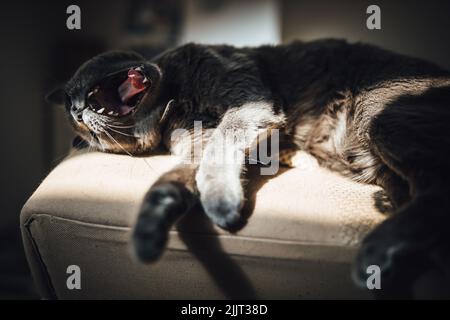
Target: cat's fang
x=101, y=110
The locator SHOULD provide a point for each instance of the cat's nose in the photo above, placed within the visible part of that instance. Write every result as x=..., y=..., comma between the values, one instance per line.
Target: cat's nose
x=77, y=113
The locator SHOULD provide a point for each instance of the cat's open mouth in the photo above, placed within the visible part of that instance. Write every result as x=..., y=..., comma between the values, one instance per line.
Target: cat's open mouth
x=120, y=93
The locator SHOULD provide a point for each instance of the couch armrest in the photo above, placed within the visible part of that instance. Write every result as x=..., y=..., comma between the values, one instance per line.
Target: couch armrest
x=299, y=241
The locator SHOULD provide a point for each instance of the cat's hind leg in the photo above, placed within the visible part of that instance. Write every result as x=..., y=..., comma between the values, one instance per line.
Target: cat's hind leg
x=412, y=138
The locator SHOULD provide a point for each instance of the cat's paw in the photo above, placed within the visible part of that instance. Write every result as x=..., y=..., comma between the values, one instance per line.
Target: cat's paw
x=149, y=236
x=399, y=259
x=150, y=233
x=384, y=253
x=221, y=198
x=222, y=207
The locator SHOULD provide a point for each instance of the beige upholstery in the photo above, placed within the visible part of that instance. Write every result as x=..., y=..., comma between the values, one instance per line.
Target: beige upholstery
x=298, y=243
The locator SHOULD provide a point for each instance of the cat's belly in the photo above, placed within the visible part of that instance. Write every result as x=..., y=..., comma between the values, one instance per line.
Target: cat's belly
x=336, y=146
x=339, y=138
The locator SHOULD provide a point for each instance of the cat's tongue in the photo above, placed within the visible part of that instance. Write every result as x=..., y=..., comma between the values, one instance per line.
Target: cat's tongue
x=124, y=110
x=135, y=83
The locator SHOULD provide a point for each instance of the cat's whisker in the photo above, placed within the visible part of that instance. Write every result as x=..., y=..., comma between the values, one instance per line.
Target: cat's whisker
x=100, y=142
x=114, y=140
x=101, y=145
x=119, y=132
x=90, y=144
x=78, y=144
x=120, y=127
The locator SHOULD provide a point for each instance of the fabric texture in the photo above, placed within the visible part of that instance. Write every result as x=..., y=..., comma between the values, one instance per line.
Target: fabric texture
x=299, y=241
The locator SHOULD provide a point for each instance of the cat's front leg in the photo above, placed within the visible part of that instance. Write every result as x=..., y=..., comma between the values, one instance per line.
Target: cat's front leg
x=170, y=197
x=219, y=175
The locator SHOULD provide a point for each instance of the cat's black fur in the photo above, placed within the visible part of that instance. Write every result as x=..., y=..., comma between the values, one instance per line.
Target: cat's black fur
x=370, y=114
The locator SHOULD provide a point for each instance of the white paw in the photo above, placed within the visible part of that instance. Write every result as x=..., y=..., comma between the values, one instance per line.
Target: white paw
x=221, y=196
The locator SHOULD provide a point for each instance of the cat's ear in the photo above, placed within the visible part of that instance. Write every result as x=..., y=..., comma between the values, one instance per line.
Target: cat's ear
x=56, y=96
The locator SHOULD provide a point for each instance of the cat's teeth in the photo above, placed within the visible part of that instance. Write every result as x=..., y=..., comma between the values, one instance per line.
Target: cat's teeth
x=145, y=80
x=100, y=110
x=138, y=69
x=111, y=113
x=90, y=94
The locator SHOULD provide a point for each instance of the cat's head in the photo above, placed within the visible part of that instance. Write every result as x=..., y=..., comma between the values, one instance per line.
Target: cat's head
x=113, y=103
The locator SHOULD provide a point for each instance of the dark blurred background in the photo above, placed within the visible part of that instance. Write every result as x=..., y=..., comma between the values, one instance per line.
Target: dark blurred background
x=38, y=53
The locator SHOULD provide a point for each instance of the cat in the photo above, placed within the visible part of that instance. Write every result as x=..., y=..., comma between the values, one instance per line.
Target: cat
x=370, y=114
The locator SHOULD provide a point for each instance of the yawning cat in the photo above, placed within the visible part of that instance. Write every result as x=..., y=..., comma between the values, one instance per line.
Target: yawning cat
x=370, y=114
